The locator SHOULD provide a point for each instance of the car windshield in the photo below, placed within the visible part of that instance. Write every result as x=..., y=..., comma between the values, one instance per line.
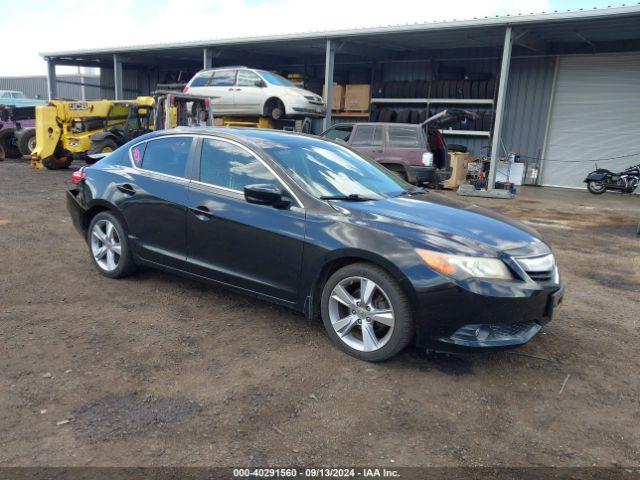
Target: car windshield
x=275, y=79
x=325, y=169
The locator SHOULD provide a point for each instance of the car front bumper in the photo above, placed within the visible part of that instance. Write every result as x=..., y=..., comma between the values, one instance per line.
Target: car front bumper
x=306, y=109
x=454, y=318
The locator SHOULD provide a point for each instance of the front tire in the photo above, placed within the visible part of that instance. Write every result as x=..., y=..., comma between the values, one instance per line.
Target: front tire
x=109, y=246
x=366, y=313
x=596, y=188
x=274, y=109
x=57, y=163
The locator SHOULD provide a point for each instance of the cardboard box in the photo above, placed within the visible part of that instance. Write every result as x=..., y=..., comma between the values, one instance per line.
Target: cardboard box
x=337, y=98
x=357, y=98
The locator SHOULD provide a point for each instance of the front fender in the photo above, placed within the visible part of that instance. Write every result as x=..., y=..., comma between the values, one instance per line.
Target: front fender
x=96, y=137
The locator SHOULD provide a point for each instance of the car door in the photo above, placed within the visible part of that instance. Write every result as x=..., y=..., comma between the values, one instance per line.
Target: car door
x=222, y=89
x=369, y=139
x=250, y=93
x=254, y=247
x=153, y=199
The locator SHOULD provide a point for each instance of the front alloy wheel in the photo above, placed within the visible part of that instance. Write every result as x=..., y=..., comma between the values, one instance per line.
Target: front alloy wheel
x=366, y=313
x=361, y=314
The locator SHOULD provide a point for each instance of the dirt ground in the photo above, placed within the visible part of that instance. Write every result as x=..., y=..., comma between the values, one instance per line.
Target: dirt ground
x=158, y=370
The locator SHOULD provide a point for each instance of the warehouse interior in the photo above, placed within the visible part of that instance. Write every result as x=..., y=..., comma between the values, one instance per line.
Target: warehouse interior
x=517, y=74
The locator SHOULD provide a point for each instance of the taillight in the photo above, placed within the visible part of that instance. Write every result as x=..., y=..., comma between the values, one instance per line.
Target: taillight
x=77, y=177
x=185, y=89
x=207, y=103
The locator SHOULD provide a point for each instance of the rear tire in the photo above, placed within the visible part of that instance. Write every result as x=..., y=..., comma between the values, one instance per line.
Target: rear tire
x=596, y=188
x=109, y=246
x=106, y=145
x=27, y=142
x=382, y=324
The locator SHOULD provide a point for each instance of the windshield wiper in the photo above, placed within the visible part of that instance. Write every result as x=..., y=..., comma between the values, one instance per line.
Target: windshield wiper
x=354, y=197
x=413, y=191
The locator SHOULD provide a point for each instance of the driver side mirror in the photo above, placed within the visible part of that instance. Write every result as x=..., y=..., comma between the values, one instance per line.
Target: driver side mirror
x=260, y=83
x=266, y=194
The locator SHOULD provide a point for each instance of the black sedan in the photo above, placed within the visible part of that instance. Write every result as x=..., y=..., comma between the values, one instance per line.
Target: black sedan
x=318, y=227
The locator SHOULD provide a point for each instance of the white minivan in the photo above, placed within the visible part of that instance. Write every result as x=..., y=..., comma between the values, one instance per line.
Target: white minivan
x=248, y=91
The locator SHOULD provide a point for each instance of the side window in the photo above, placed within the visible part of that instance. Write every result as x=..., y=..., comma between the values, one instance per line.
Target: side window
x=167, y=155
x=404, y=137
x=223, y=78
x=368, y=136
x=201, y=80
x=226, y=165
x=339, y=133
x=247, y=78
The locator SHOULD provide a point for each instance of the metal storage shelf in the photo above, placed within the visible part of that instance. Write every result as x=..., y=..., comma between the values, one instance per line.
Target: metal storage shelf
x=466, y=133
x=350, y=114
x=452, y=101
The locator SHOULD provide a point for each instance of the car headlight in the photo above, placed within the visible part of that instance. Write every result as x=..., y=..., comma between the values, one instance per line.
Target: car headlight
x=462, y=267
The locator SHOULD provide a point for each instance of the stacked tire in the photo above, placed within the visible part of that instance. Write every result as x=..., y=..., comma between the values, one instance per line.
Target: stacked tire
x=462, y=89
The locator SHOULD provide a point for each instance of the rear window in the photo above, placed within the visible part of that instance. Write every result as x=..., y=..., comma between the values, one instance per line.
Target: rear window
x=368, y=136
x=201, y=80
x=166, y=155
x=404, y=137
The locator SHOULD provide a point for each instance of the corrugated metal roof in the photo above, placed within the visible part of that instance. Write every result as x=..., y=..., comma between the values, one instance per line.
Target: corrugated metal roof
x=495, y=21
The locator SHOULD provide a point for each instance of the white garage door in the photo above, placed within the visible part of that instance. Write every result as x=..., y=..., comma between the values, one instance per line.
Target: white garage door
x=595, y=115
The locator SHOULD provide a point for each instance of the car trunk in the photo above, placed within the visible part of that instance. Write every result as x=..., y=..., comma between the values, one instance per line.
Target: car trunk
x=437, y=143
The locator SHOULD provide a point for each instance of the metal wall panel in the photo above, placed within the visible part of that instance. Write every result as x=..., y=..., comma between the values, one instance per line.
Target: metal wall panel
x=129, y=83
x=595, y=115
x=67, y=86
x=526, y=108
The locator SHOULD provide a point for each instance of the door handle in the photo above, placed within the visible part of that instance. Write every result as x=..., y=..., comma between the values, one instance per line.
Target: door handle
x=126, y=188
x=201, y=212
x=231, y=89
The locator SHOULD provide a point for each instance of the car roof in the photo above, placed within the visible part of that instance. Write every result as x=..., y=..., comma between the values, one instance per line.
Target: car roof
x=416, y=125
x=240, y=134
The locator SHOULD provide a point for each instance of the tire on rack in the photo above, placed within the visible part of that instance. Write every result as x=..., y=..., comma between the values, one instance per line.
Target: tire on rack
x=403, y=116
x=366, y=313
x=9, y=143
x=414, y=117
x=474, y=89
x=27, y=142
x=57, y=163
x=109, y=246
x=274, y=109
x=466, y=89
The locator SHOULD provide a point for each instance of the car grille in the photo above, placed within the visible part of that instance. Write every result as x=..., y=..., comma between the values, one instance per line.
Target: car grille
x=539, y=269
x=509, y=330
x=541, y=277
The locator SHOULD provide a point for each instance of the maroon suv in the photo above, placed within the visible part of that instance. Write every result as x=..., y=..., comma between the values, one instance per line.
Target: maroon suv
x=416, y=152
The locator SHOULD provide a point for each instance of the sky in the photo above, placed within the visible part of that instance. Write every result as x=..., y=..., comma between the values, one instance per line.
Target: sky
x=35, y=26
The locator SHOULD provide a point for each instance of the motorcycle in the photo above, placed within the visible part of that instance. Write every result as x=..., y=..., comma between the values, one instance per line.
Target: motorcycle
x=601, y=180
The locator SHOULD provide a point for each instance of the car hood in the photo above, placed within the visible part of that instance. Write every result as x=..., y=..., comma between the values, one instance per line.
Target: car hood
x=301, y=91
x=435, y=221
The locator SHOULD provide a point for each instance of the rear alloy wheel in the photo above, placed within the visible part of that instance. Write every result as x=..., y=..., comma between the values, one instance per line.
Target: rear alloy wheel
x=365, y=312
x=109, y=246
x=596, y=188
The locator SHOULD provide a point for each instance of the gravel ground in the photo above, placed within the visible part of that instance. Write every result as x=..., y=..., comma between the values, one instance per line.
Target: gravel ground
x=158, y=370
